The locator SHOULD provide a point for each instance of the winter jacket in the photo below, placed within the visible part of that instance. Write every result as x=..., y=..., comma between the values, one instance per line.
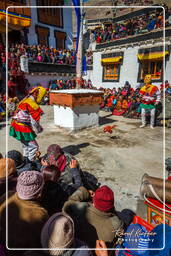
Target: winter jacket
x=53, y=197
x=25, y=221
x=90, y=223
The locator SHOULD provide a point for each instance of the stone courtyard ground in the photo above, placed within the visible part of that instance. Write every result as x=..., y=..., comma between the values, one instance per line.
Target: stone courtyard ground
x=118, y=160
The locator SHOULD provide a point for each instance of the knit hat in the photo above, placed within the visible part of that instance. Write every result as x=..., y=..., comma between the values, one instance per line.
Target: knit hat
x=16, y=156
x=6, y=164
x=29, y=184
x=58, y=232
x=104, y=199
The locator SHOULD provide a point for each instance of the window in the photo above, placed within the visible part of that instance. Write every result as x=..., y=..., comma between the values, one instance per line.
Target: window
x=111, y=72
x=43, y=35
x=60, y=39
x=51, y=16
x=154, y=68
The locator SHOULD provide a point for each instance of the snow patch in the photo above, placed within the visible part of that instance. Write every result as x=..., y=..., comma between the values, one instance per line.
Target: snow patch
x=75, y=91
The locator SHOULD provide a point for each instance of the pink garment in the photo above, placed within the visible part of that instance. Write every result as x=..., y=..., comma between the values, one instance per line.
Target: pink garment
x=39, y=58
x=129, y=104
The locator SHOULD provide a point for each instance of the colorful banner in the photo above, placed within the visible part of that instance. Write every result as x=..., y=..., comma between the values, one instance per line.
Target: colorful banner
x=15, y=19
x=78, y=16
x=81, y=65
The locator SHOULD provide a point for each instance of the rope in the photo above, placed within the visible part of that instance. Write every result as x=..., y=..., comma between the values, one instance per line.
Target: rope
x=158, y=198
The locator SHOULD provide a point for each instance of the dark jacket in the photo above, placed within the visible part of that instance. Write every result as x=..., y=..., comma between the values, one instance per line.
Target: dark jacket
x=53, y=197
x=27, y=165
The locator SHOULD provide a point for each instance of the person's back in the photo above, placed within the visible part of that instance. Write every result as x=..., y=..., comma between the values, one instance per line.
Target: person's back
x=26, y=216
x=58, y=234
x=93, y=221
x=7, y=167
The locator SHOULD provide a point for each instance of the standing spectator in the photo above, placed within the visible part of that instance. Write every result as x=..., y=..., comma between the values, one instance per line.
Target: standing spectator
x=12, y=87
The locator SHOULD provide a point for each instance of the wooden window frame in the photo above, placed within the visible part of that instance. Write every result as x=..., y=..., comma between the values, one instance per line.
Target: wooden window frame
x=46, y=16
x=37, y=27
x=149, y=69
x=116, y=74
x=56, y=38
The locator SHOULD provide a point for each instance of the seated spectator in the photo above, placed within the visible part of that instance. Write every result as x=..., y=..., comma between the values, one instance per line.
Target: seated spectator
x=69, y=169
x=121, y=106
x=89, y=216
x=23, y=163
x=53, y=195
x=110, y=104
x=58, y=233
x=26, y=216
x=134, y=110
x=2, y=109
x=7, y=166
x=11, y=107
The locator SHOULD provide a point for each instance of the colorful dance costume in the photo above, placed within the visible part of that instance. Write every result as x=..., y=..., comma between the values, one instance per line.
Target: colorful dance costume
x=150, y=95
x=26, y=121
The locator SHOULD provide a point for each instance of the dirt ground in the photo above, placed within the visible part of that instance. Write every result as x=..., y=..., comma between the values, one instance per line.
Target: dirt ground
x=118, y=160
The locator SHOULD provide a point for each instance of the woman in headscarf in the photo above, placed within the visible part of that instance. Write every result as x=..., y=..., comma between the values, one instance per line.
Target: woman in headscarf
x=70, y=173
x=26, y=120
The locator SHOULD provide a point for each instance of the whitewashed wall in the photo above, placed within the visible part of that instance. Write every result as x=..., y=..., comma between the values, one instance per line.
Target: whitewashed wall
x=67, y=19
x=168, y=70
x=43, y=79
x=89, y=75
x=129, y=68
x=67, y=27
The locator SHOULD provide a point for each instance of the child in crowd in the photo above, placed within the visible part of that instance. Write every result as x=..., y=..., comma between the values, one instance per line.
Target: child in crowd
x=2, y=108
x=11, y=106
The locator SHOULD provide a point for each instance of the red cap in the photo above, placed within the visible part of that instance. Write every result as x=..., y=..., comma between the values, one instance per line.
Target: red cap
x=104, y=199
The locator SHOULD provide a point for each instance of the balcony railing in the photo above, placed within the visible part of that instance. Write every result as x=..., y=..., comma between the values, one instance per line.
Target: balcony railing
x=23, y=11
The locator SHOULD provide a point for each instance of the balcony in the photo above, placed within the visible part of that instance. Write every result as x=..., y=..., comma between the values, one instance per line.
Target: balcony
x=39, y=67
x=22, y=11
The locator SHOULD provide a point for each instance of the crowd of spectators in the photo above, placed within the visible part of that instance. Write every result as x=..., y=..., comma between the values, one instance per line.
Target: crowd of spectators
x=69, y=84
x=16, y=80
x=55, y=205
x=38, y=53
x=53, y=85
x=17, y=83
x=131, y=27
x=125, y=101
